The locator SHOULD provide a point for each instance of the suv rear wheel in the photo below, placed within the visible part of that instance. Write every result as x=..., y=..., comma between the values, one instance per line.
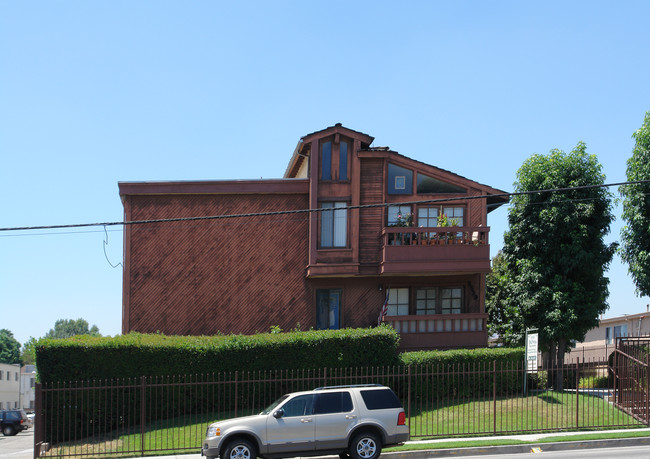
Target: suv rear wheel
x=365, y=445
x=240, y=449
x=8, y=430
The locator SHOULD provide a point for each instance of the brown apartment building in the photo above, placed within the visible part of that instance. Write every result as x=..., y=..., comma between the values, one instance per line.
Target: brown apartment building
x=347, y=226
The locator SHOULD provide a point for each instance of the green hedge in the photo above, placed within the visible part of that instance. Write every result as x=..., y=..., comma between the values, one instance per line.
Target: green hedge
x=462, y=373
x=134, y=355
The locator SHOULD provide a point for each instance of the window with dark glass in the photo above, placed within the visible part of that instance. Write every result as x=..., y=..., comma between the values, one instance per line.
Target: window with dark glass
x=332, y=402
x=328, y=308
x=334, y=158
x=326, y=161
x=334, y=225
x=400, y=180
x=343, y=161
x=451, y=300
x=428, y=185
x=425, y=301
x=298, y=406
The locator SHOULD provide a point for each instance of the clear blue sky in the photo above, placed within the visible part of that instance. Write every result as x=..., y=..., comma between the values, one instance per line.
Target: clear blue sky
x=93, y=93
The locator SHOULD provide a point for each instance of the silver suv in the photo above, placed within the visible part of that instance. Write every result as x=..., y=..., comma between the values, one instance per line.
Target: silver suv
x=346, y=420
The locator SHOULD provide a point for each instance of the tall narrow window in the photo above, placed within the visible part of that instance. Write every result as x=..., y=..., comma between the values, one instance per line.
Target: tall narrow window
x=398, y=302
x=334, y=225
x=326, y=161
x=343, y=161
x=328, y=308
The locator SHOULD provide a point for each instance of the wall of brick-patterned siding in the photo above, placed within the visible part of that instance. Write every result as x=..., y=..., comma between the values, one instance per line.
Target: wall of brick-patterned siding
x=205, y=277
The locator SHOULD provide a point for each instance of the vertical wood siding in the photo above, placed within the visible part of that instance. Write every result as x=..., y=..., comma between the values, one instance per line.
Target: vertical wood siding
x=370, y=220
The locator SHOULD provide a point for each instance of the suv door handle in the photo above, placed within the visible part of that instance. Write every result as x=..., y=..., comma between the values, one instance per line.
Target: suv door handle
x=305, y=420
x=350, y=416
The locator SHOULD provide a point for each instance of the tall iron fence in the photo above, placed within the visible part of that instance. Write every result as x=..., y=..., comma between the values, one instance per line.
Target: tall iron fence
x=149, y=415
x=630, y=369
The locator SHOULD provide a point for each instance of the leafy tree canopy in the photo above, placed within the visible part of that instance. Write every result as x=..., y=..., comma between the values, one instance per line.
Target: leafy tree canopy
x=504, y=318
x=554, y=249
x=9, y=347
x=28, y=352
x=65, y=328
x=635, y=235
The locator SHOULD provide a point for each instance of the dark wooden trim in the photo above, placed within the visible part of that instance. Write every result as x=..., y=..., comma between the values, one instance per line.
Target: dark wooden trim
x=272, y=186
x=126, y=270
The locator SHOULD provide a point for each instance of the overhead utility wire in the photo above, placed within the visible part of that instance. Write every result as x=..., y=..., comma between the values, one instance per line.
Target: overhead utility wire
x=320, y=209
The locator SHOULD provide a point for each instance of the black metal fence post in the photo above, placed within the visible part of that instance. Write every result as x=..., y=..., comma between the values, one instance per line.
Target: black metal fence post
x=143, y=414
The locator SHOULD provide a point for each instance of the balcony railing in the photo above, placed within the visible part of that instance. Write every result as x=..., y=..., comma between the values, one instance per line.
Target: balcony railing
x=440, y=330
x=412, y=250
x=436, y=235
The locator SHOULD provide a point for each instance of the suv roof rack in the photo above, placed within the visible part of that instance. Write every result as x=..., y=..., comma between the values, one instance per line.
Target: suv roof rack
x=349, y=386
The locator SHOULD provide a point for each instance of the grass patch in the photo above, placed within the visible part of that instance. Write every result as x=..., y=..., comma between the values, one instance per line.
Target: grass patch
x=543, y=411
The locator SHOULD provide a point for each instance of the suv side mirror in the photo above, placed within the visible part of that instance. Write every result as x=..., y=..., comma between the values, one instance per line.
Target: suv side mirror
x=278, y=413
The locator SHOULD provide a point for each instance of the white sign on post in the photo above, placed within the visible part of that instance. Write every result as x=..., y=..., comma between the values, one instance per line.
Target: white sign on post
x=532, y=340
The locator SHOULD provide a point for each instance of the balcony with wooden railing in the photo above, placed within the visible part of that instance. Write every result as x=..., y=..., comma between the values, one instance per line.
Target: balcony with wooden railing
x=440, y=331
x=411, y=250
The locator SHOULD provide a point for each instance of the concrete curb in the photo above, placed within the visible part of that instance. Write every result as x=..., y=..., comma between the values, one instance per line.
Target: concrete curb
x=518, y=449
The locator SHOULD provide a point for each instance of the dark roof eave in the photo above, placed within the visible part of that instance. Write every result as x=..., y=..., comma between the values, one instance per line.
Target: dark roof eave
x=270, y=186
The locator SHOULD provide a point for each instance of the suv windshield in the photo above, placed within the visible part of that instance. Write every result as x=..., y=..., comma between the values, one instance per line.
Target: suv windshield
x=272, y=406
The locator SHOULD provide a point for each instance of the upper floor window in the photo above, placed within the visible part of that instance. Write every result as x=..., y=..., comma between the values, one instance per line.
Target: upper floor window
x=400, y=216
x=334, y=225
x=618, y=331
x=454, y=215
x=343, y=161
x=429, y=185
x=326, y=161
x=400, y=180
x=428, y=217
x=334, y=161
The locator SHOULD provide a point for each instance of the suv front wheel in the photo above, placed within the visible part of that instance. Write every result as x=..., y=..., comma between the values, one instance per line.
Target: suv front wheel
x=365, y=445
x=239, y=449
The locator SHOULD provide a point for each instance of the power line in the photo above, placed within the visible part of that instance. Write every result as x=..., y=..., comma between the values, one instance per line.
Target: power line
x=320, y=209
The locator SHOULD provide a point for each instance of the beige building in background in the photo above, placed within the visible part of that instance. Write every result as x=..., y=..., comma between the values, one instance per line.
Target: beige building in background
x=9, y=386
x=600, y=341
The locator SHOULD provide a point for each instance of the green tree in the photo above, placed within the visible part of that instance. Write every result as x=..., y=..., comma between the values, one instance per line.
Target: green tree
x=555, y=252
x=504, y=318
x=28, y=352
x=65, y=328
x=9, y=347
x=635, y=235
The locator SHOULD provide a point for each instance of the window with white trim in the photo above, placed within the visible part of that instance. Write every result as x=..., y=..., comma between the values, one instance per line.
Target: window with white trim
x=398, y=302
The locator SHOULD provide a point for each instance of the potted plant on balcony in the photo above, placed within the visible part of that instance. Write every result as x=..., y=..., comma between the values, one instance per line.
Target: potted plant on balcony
x=444, y=221
x=402, y=221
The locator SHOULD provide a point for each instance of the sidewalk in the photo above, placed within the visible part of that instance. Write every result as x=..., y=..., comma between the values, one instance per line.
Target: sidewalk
x=530, y=440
